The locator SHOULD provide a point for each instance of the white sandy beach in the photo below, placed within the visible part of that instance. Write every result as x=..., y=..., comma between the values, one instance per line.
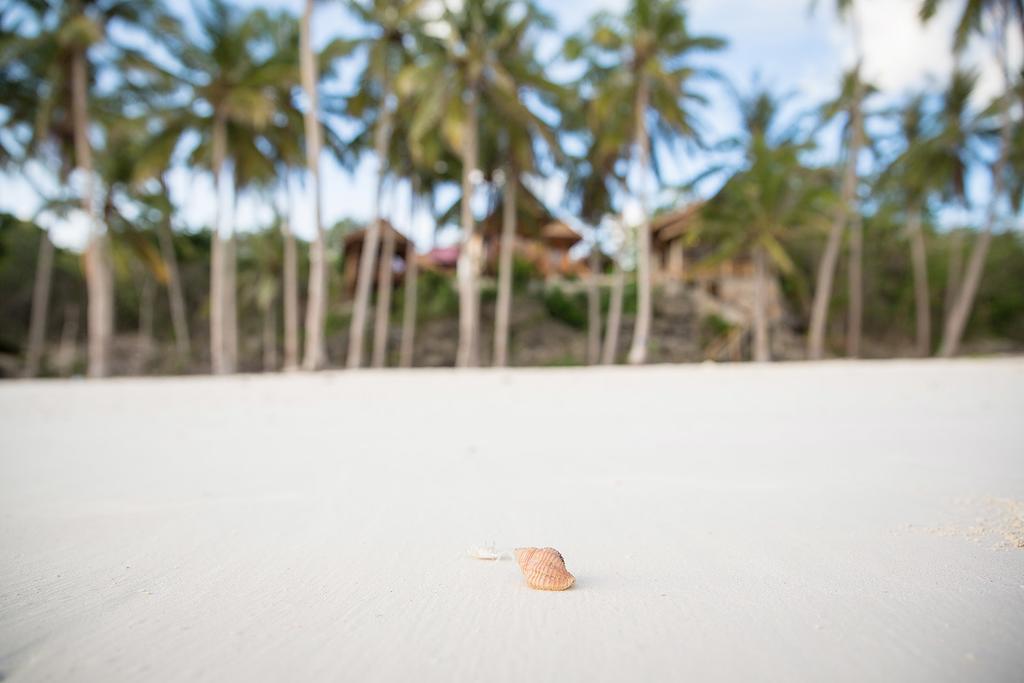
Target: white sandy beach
x=840, y=522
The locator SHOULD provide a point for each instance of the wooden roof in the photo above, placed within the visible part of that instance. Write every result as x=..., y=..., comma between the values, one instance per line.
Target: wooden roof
x=560, y=233
x=669, y=225
x=532, y=216
x=354, y=240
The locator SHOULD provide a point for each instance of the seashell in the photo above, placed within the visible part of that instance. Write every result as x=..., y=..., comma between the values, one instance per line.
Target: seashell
x=488, y=553
x=544, y=569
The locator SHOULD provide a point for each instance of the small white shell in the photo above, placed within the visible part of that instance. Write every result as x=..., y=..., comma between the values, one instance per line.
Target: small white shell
x=484, y=553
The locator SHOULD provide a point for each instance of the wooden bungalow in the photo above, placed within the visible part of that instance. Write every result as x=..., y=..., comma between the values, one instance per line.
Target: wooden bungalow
x=541, y=238
x=669, y=231
x=678, y=257
x=354, y=250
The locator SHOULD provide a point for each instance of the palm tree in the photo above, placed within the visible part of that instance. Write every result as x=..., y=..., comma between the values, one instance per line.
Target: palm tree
x=426, y=171
x=315, y=355
x=290, y=290
x=771, y=195
x=518, y=132
x=23, y=67
x=424, y=178
x=366, y=105
x=133, y=168
x=604, y=118
x=286, y=148
x=389, y=24
x=40, y=305
x=464, y=80
x=233, y=75
x=851, y=103
x=937, y=152
x=78, y=26
x=592, y=180
x=974, y=15
x=144, y=158
x=97, y=264
x=651, y=45
x=852, y=96
x=912, y=174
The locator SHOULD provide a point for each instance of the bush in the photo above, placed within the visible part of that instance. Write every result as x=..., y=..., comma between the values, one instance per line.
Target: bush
x=523, y=272
x=569, y=309
x=712, y=327
x=437, y=295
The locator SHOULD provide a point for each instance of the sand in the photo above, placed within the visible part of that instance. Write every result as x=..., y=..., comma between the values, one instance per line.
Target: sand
x=836, y=521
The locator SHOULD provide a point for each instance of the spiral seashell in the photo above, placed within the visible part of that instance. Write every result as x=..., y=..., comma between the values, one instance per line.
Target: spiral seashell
x=544, y=569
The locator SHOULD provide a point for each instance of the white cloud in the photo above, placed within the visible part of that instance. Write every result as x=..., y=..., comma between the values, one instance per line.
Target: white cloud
x=902, y=54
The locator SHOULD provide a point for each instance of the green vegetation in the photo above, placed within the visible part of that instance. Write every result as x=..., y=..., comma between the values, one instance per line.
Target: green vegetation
x=570, y=309
x=113, y=100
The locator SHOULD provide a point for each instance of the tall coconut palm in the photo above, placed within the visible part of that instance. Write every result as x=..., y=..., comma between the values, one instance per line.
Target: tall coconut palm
x=141, y=163
x=426, y=167
x=604, y=119
x=291, y=151
x=232, y=73
x=974, y=14
x=315, y=355
x=23, y=67
x=518, y=131
x=991, y=19
x=424, y=177
x=68, y=31
x=290, y=288
x=937, y=151
x=913, y=177
x=652, y=46
x=769, y=197
x=851, y=103
x=853, y=93
x=40, y=306
x=133, y=168
x=389, y=24
x=593, y=179
x=466, y=78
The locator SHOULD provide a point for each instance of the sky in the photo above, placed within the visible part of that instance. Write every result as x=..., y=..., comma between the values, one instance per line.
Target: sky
x=789, y=48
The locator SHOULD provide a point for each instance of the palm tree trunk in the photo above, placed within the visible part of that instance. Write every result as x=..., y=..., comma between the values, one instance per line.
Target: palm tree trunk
x=855, y=274
x=383, y=312
x=40, y=306
x=611, y=335
x=922, y=297
x=467, y=354
x=67, y=348
x=956, y=323
x=762, y=344
x=291, y=296
x=147, y=294
x=231, y=301
x=642, y=323
x=955, y=272
x=175, y=295
x=368, y=256
x=405, y=357
x=594, y=307
x=99, y=283
x=953, y=331
x=269, y=341
x=217, y=276
x=315, y=356
x=830, y=257
x=508, y=240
